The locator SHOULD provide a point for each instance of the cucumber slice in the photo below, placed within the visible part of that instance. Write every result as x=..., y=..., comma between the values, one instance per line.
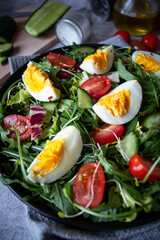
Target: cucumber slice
x=129, y=144
x=84, y=99
x=7, y=28
x=84, y=49
x=152, y=121
x=6, y=49
x=49, y=106
x=3, y=60
x=44, y=17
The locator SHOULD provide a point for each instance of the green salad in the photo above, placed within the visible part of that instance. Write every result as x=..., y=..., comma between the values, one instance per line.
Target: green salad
x=80, y=132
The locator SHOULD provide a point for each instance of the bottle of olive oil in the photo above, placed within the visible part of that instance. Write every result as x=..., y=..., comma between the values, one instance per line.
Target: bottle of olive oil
x=138, y=17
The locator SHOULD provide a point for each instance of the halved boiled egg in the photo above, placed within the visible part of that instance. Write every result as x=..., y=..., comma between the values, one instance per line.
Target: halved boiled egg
x=121, y=104
x=113, y=76
x=58, y=157
x=100, y=62
x=148, y=60
x=39, y=85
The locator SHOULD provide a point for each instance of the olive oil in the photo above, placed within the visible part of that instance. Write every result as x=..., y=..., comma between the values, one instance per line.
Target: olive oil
x=134, y=25
x=138, y=17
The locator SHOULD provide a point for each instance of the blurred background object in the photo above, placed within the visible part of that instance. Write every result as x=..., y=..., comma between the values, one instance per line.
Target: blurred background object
x=138, y=17
x=99, y=10
x=73, y=27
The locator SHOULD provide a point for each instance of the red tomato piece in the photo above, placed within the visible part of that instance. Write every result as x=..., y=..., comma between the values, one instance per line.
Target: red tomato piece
x=97, y=86
x=137, y=45
x=82, y=188
x=21, y=123
x=151, y=41
x=124, y=34
x=139, y=167
x=62, y=61
x=123, y=61
x=103, y=135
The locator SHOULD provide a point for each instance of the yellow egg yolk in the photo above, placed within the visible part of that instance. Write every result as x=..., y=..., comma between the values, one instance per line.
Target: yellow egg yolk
x=100, y=59
x=147, y=62
x=36, y=80
x=117, y=104
x=49, y=158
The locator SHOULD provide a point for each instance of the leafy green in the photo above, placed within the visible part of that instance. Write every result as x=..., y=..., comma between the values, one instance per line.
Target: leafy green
x=60, y=200
x=47, y=67
x=12, y=143
x=21, y=97
x=123, y=73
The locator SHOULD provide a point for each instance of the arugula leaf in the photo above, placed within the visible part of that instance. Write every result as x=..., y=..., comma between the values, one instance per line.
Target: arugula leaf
x=47, y=67
x=5, y=139
x=151, y=147
x=131, y=125
x=123, y=73
x=4, y=97
x=59, y=199
x=112, y=169
x=14, y=154
x=64, y=104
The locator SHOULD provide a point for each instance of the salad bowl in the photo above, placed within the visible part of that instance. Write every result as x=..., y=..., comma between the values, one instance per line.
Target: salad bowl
x=34, y=200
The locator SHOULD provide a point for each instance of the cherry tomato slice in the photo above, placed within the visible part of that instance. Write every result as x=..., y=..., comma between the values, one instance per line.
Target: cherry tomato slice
x=137, y=45
x=82, y=188
x=97, y=86
x=103, y=135
x=62, y=61
x=124, y=34
x=151, y=41
x=123, y=61
x=21, y=123
x=139, y=167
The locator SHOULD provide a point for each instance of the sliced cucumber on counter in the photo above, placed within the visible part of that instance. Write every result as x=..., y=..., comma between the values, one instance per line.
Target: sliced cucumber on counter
x=7, y=28
x=3, y=60
x=5, y=49
x=129, y=144
x=44, y=17
x=152, y=121
x=84, y=99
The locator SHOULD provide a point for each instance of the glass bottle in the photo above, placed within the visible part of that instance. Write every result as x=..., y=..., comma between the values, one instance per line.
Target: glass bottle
x=138, y=17
x=75, y=26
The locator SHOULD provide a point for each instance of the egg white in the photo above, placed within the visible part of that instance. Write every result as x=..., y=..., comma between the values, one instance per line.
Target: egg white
x=135, y=90
x=153, y=55
x=90, y=67
x=113, y=76
x=47, y=94
x=72, y=149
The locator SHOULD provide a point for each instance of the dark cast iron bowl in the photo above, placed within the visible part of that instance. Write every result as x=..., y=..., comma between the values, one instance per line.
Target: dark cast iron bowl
x=78, y=222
